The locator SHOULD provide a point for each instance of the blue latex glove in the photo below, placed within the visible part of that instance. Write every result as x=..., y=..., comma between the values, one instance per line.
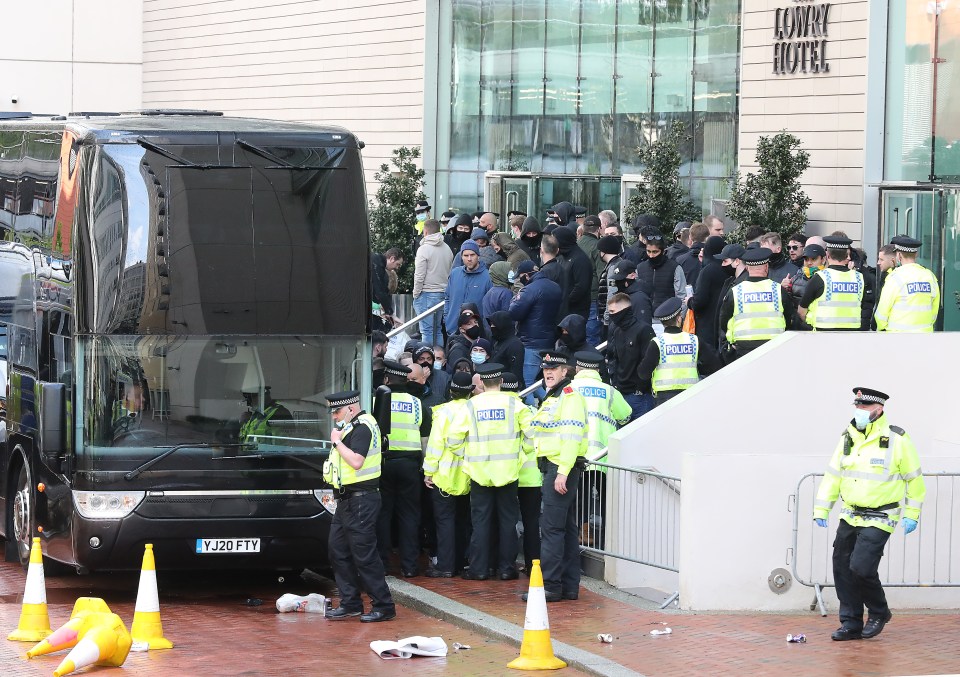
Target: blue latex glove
x=909, y=525
x=823, y=523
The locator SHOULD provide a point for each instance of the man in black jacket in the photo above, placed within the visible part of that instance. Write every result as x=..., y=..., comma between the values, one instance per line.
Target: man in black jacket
x=664, y=276
x=610, y=248
x=507, y=348
x=529, y=240
x=628, y=339
x=578, y=272
x=626, y=282
x=706, y=300
x=391, y=259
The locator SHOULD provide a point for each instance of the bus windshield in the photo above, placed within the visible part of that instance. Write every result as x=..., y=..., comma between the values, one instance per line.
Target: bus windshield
x=141, y=394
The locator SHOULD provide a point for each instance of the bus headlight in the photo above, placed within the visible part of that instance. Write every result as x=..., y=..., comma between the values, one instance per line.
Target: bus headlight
x=327, y=499
x=106, y=505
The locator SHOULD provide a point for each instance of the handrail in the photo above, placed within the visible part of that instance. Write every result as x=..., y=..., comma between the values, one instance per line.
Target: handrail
x=429, y=311
x=536, y=384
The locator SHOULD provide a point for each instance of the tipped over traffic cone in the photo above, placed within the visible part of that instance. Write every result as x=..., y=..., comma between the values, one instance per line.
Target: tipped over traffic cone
x=146, y=626
x=536, y=652
x=34, y=622
x=106, y=642
x=68, y=634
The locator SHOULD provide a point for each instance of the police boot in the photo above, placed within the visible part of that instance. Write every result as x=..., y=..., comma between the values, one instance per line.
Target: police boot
x=874, y=626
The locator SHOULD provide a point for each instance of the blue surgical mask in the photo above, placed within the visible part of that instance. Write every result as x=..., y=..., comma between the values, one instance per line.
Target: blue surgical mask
x=511, y=277
x=861, y=417
x=421, y=216
x=478, y=358
x=340, y=424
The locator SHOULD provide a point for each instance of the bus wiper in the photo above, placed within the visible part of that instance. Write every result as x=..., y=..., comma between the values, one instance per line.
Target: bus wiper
x=283, y=164
x=160, y=150
x=156, y=459
x=279, y=454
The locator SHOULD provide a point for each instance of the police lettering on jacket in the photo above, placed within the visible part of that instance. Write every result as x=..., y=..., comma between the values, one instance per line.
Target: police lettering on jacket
x=491, y=414
x=845, y=287
x=758, y=297
x=401, y=407
x=679, y=348
x=588, y=391
x=919, y=288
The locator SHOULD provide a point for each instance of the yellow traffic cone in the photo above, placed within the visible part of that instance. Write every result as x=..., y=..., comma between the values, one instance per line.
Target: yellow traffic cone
x=107, y=642
x=34, y=622
x=146, y=626
x=536, y=652
x=68, y=634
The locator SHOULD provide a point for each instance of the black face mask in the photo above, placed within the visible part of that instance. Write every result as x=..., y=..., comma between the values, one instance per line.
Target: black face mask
x=473, y=333
x=378, y=375
x=567, y=340
x=729, y=270
x=416, y=389
x=622, y=317
x=656, y=261
x=460, y=236
x=623, y=285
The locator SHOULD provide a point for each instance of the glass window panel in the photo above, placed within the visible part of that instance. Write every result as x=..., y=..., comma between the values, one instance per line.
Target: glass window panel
x=528, y=39
x=633, y=84
x=560, y=106
x=597, y=61
x=464, y=86
x=496, y=86
x=946, y=123
x=673, y=61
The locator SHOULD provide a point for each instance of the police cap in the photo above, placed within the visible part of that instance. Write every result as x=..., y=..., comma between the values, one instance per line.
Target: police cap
x=447, y=216
x=462, y=382
x=756, y=257
x=490, y=371
x=511, y=383
x=422, y=206
x=579, y=211
x=668, y=310
x=903, y=243
x=343, y=398
x=514, y=212
x=837, y=242
x=392, y=368
x=588, y=359
x=554, y=358
x=869, y=396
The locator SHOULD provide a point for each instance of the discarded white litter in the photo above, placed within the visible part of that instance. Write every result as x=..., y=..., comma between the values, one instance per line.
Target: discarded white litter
x=409, y=647
x=457, y=646
x=665, y=631
x=605, y=637
x=658, y=623
x=314, y=603
x=140, y=646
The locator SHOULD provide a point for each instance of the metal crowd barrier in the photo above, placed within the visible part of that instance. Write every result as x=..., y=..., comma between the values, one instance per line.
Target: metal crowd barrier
x=927, y=558
x=409, y=323
x=630, y=514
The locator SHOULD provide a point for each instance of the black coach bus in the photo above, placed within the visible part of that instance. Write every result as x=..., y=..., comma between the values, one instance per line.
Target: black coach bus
x=177, y=291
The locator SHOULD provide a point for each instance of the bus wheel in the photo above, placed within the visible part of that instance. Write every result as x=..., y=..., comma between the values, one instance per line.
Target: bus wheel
x=20, y=529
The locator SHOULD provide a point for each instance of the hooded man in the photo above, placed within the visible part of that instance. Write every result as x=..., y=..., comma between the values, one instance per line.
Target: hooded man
x=507, y=348
x=565, y=215
x=530, y=237
x=572, y=334
x=459, y=232
x=578, y=272
x=467, y=284
x=499, y=296
x=705, y=302
x=509, y=250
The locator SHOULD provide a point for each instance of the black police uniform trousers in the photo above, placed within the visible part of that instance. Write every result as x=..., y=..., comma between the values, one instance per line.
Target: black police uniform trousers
x=484, y=501
x=530, y=500
x=400, y=482
x=452, y=517
x=560, y=534
x=353, y=552
x=856, y=558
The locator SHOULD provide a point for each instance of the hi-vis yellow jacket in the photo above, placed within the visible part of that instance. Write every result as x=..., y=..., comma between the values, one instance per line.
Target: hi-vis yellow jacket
x=443, y=463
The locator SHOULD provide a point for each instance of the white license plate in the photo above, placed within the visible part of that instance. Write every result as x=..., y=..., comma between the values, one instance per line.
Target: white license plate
x=228, y=546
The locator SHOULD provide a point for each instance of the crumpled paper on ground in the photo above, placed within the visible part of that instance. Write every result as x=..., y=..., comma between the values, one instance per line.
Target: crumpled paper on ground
x=409, y=647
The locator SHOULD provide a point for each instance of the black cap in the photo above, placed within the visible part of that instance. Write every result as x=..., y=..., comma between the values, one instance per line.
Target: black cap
x=554, y=358
x=421, y=349
x=592, y=220
x=465, y=317
x=514, y=212
x=622, y=269
x=526, y=266
x=447, y=216
x=756, y=257
x=579, y=211
x=680, y=226
x=392, y=368
x=490, y=371
x=609, y=244
x=343, y=398
x=668, y=310
x=903, y=243
x=588, y=359
x=730, y=251
x=422, y=206
x=837, y=242
x=869, y=396
x=462, y=381
x=812, y=251
x=511, y=383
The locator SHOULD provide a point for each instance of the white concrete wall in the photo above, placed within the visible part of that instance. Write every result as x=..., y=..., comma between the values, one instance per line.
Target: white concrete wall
x=742, y=439
x=826, y=111
x=71, y=55
x=358, y=64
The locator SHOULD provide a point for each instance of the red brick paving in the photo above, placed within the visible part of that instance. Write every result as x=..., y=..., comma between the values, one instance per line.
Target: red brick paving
x=215, y=633
x=724, y=644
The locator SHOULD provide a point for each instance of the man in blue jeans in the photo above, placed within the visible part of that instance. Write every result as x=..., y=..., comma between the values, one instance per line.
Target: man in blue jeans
x=430, y=274
x=534, y=310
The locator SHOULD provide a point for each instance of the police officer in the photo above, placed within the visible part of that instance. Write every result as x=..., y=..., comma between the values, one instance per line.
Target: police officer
x=832, y=298
x=491, y=428
x=755, y=310
x=353, y=470
x=607, y=410
x=449, y=485
x=876, y=471
x=910, y=299
x=400, y=485
x=559, y=431
x=675, y=360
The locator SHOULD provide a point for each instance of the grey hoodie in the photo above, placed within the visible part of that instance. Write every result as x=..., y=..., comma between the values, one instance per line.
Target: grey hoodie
x=432, y=265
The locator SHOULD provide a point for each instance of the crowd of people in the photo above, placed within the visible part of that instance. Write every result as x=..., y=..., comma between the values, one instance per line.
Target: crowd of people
x=606, y=330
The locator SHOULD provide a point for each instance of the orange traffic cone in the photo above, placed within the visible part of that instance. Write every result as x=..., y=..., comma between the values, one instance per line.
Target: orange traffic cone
x=68, y=634
x=536, y=652
x=34, y=622
x=107, y=642
x=147, y=627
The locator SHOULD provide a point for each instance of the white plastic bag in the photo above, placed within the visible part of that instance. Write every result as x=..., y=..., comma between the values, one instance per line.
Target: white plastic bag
x=409, y=647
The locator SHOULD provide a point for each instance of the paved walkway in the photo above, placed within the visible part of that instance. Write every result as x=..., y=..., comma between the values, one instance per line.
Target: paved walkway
x=914, y=643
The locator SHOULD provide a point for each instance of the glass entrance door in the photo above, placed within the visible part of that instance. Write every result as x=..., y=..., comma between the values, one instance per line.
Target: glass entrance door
x=931, y=215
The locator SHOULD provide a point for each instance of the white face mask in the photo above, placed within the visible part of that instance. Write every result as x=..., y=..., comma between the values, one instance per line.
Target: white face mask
x=861, y=417
x=421, y=216
x=340, y=424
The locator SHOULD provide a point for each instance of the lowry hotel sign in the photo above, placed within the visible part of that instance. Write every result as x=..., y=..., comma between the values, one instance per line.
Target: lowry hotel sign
x=800, y=38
